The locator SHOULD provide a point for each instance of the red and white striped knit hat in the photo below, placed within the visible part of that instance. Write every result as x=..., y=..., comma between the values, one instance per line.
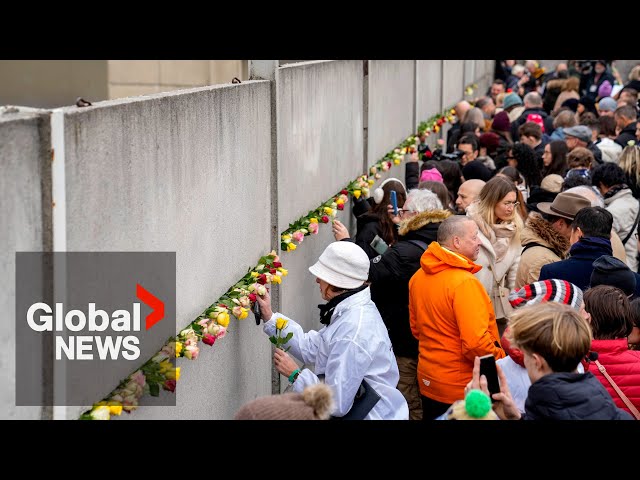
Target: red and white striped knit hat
x=552, y=290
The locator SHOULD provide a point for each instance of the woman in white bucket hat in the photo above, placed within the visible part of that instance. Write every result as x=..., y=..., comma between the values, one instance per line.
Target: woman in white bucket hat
x=352, y=350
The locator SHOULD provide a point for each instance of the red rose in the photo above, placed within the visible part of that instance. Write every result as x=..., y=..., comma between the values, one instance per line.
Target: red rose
x=169, y=385
x=208, y=339
x=389, y=164
x=340, y=207
x=262, y=279
x=325, y=219
x=272, y=271
x=428, y=154
x=277, y=264
x=343, y=192
x=253, y=297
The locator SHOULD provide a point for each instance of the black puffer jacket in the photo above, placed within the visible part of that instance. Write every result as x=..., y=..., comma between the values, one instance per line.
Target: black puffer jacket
x=571, y=396
x=368, y=226
x=390, y=274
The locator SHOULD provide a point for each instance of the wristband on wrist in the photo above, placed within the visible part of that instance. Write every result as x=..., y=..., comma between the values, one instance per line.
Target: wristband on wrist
x=294, y=375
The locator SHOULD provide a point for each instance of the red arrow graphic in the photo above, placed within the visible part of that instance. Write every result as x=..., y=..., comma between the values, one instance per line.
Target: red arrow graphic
x=155, y=303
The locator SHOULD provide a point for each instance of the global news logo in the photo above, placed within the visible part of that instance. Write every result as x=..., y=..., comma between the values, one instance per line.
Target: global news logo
x=42, y=318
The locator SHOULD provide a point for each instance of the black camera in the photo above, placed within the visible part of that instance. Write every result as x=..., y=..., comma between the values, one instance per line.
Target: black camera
x=456, y=155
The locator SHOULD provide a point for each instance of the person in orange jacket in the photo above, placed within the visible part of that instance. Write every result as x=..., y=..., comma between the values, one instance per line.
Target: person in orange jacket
x=450, y=315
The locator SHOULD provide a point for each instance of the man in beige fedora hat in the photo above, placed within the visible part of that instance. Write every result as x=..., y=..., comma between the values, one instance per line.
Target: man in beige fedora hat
x=545, y=238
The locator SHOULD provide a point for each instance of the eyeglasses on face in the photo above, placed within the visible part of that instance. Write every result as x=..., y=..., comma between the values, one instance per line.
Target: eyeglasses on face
x=402, y=211
x=511, y=204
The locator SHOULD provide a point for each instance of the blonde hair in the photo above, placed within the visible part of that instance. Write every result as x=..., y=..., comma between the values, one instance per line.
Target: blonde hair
x=572, y=84
x=552, y=330
x=629, y=161
x=493, y=191
x=634, y=74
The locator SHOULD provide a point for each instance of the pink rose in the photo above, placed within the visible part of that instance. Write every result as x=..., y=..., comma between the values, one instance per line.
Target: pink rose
x=221, y=332
x=138, y=377
x=298, y=236
x=244, y=301
x=191, y=352
x=208, y=339
x=313, y=228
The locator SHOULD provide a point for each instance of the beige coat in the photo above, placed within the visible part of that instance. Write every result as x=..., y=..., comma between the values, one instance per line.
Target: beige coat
x=624, y=208
x=538, y=230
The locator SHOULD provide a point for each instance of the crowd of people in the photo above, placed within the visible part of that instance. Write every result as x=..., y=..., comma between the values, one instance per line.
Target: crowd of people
x=523, y=248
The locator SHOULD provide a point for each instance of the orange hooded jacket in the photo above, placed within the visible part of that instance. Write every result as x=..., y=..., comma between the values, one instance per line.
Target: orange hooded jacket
x=452, y=318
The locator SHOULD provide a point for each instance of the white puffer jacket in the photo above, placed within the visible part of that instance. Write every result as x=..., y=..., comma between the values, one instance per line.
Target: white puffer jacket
x=624, y=208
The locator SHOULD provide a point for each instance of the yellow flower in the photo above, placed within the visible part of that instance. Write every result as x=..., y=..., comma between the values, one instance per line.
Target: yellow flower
x=115, y=408
x=254, y=274
x=178, y=348
x=244, y=314
x=328, y=210
x=173, y=374
x=165, y=365
x=403, y=151
x=396, y=161
x=223, y=319
x=436, y=128
x=313, y=220
x=281, y=323
x=101, y=413
x=339, y=201
x=453, y=111
x=284, y=271
x=357, y=193
x=276, y=279
x=291, y=247
x=371, y=181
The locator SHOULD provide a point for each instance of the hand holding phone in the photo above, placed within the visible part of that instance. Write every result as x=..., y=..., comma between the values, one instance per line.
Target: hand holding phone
x=488, y=369
x=394, y=202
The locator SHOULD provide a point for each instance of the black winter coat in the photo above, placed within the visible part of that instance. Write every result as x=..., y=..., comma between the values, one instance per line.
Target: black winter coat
x=390, y=273
x=571, y=396
x=626, y=134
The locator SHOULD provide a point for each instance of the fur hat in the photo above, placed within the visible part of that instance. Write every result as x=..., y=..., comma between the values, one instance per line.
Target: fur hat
x=314, y=403
x=608, y=270
x=475, y=406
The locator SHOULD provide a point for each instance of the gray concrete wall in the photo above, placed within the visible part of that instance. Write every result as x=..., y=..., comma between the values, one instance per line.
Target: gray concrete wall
x=453, y=82
x=320, y=129
x=52, y=83
x=187, y=172
x=469, y=72
x=25, y=186
x=391, y=105
x=429, y=91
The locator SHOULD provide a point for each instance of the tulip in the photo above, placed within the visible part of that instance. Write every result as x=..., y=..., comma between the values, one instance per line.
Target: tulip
x=208, y=339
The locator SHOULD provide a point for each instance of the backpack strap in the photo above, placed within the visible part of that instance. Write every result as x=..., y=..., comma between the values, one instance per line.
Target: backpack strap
x=419, y=243
x=536, y=244
x=632, y=228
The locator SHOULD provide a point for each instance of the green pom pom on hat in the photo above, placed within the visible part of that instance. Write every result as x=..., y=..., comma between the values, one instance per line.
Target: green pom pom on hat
x=477, y=403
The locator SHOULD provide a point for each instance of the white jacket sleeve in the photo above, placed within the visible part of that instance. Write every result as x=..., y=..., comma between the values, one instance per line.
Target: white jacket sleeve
x=304, y=346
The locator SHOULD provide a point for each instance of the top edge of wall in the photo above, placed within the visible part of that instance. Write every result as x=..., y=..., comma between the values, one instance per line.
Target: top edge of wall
x=154, y=96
